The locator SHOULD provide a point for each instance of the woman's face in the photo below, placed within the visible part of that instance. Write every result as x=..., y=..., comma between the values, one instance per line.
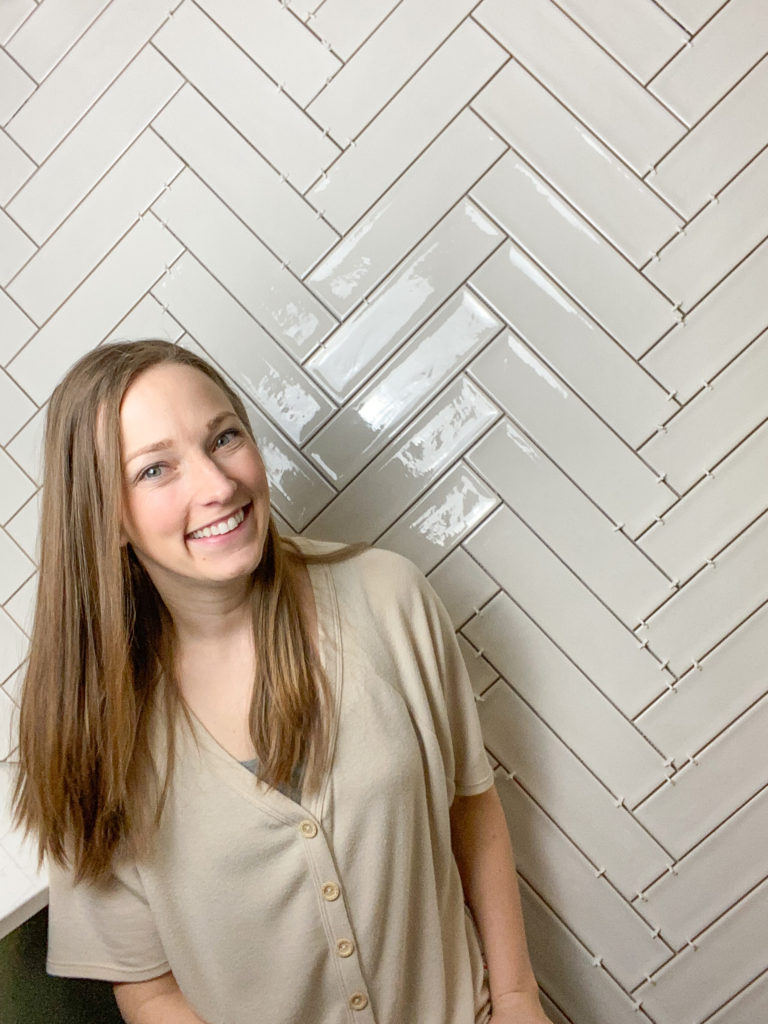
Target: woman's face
x=195, y=493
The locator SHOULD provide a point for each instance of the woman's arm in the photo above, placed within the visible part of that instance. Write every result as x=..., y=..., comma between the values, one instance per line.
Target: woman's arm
x=158, y=1001
x=483, y=853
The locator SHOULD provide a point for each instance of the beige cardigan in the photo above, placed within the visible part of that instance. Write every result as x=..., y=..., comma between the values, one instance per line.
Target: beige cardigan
x=347, y=909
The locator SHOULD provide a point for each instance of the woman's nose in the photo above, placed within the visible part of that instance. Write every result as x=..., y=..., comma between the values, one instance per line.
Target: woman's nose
x=211, y=483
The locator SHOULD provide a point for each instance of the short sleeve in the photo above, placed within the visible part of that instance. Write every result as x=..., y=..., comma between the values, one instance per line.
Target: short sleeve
x=104, y=931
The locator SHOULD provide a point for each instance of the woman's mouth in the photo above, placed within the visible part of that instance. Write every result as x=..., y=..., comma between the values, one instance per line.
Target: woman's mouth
x=221, y=527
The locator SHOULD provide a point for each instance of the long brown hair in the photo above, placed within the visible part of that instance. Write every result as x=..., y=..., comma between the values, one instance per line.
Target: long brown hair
x=89, y=786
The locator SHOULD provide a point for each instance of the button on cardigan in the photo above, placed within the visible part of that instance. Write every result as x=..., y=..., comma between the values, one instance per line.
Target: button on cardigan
x=346, y=908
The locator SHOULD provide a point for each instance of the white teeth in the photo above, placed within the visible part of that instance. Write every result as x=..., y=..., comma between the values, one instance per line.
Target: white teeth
x=217, y=529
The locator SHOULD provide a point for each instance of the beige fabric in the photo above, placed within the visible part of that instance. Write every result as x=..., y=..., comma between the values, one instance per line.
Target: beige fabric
x=347, y=909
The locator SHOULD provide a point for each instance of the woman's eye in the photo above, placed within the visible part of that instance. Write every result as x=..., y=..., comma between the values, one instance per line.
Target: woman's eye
x=151, y=472
x=226, y=438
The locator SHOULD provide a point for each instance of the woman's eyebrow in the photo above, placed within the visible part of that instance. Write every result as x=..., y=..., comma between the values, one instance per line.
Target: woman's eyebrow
x=161, y=446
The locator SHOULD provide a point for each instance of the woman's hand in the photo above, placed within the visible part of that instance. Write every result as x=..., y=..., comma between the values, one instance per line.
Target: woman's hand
x=518, y=1008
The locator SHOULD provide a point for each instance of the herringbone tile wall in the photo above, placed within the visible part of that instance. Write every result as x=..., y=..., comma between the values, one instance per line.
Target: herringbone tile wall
x=493, y=278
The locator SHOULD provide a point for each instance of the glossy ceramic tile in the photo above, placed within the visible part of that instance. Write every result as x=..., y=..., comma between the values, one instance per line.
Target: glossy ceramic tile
x=746, y=1007
x=147, y=319
x=568, y=612
x=714, y=602
x=566, y=790
x=24, y=526
x=579, y=259
x=711, y=878
x=725, y=775
x=602, y=557
x=721, y=235
x=15, y=567
x=12, y=14
x=562, y=695
x=103, y=299
x=482, y=675
x=406, y=211
x=229, y=335
x=105, y=49
x=15, y=328
x=424, y=106
x=401, y=473
x=15, y=87
x=462, y=584
x=707, y=518
x=15, y=167
x=591, y=994
x=92, y=147
x=717, y=58
x=713, y=423
x=27, y=447
x=561, y=874
x=278, y=43
x=570, y=157
x=346, y=24
x=728, y=681
x=13, y=645
x=405, y=384
x=244, y=94
x=86, y=237
x=442, y=518
x=15, y=248
x=15, y=487
x=15, y=408
x=21, y=606
x=368, y=80
x=717, y=330
x=717, y=148
x=587, y=359
x=273, y=296
x=636, y=33
x=243, y=179
x=692, y=14
x=726, y=958
x=570, y=433
x=589, y=82
x=406, y=299
x=46, y=36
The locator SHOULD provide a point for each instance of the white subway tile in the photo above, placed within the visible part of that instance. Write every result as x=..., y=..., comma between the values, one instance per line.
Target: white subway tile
x=15, y=88
x=438, y=179
x=363, y=426
x=691, y=13
x=636, y=33
x=257, y=363
x=587, y=358
x=714, y=421
x=403, y=471
x=367, y=82
x=462, y=585
x=716, y=59
x=15, y=167
x=570, y=433
x=15, y=567
x=46, y=36
x=747, y=1006
x=12, y=14
x=242, y=178
x=562, y=695
x=713, y=602
x=733, y=315
x=15, y=487
x=27, y=446
x=15, y=248
x=570, y=157
x=104, y=133
x=13, y=645
x=563, y=876
x=481, y=674
x=717, y=148
x=244, y=94
x=273, y=296
x=15, y=408
x=103, y=299
x=408, y=297
x=582, y=262
x=721, y=235
x=597, y=89
x=436, y=93
x=24, y=526
x=567, y=521
x=567, y=612
x=346, y=24
x=713, y=877
x=442, y=518
x=21, y=606
x=104, y=216
x=105, y=50
x=567, y=790
x=704, y=701
x=147, y=319
x=708, y=517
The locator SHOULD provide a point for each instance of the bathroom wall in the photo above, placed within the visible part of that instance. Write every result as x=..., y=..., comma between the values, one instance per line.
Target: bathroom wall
x=492, y=278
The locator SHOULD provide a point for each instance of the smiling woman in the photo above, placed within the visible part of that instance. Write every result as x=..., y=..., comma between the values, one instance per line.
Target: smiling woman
x=254, y=762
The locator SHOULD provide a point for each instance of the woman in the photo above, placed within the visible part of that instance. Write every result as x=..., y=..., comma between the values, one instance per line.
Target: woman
x=254, y=764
